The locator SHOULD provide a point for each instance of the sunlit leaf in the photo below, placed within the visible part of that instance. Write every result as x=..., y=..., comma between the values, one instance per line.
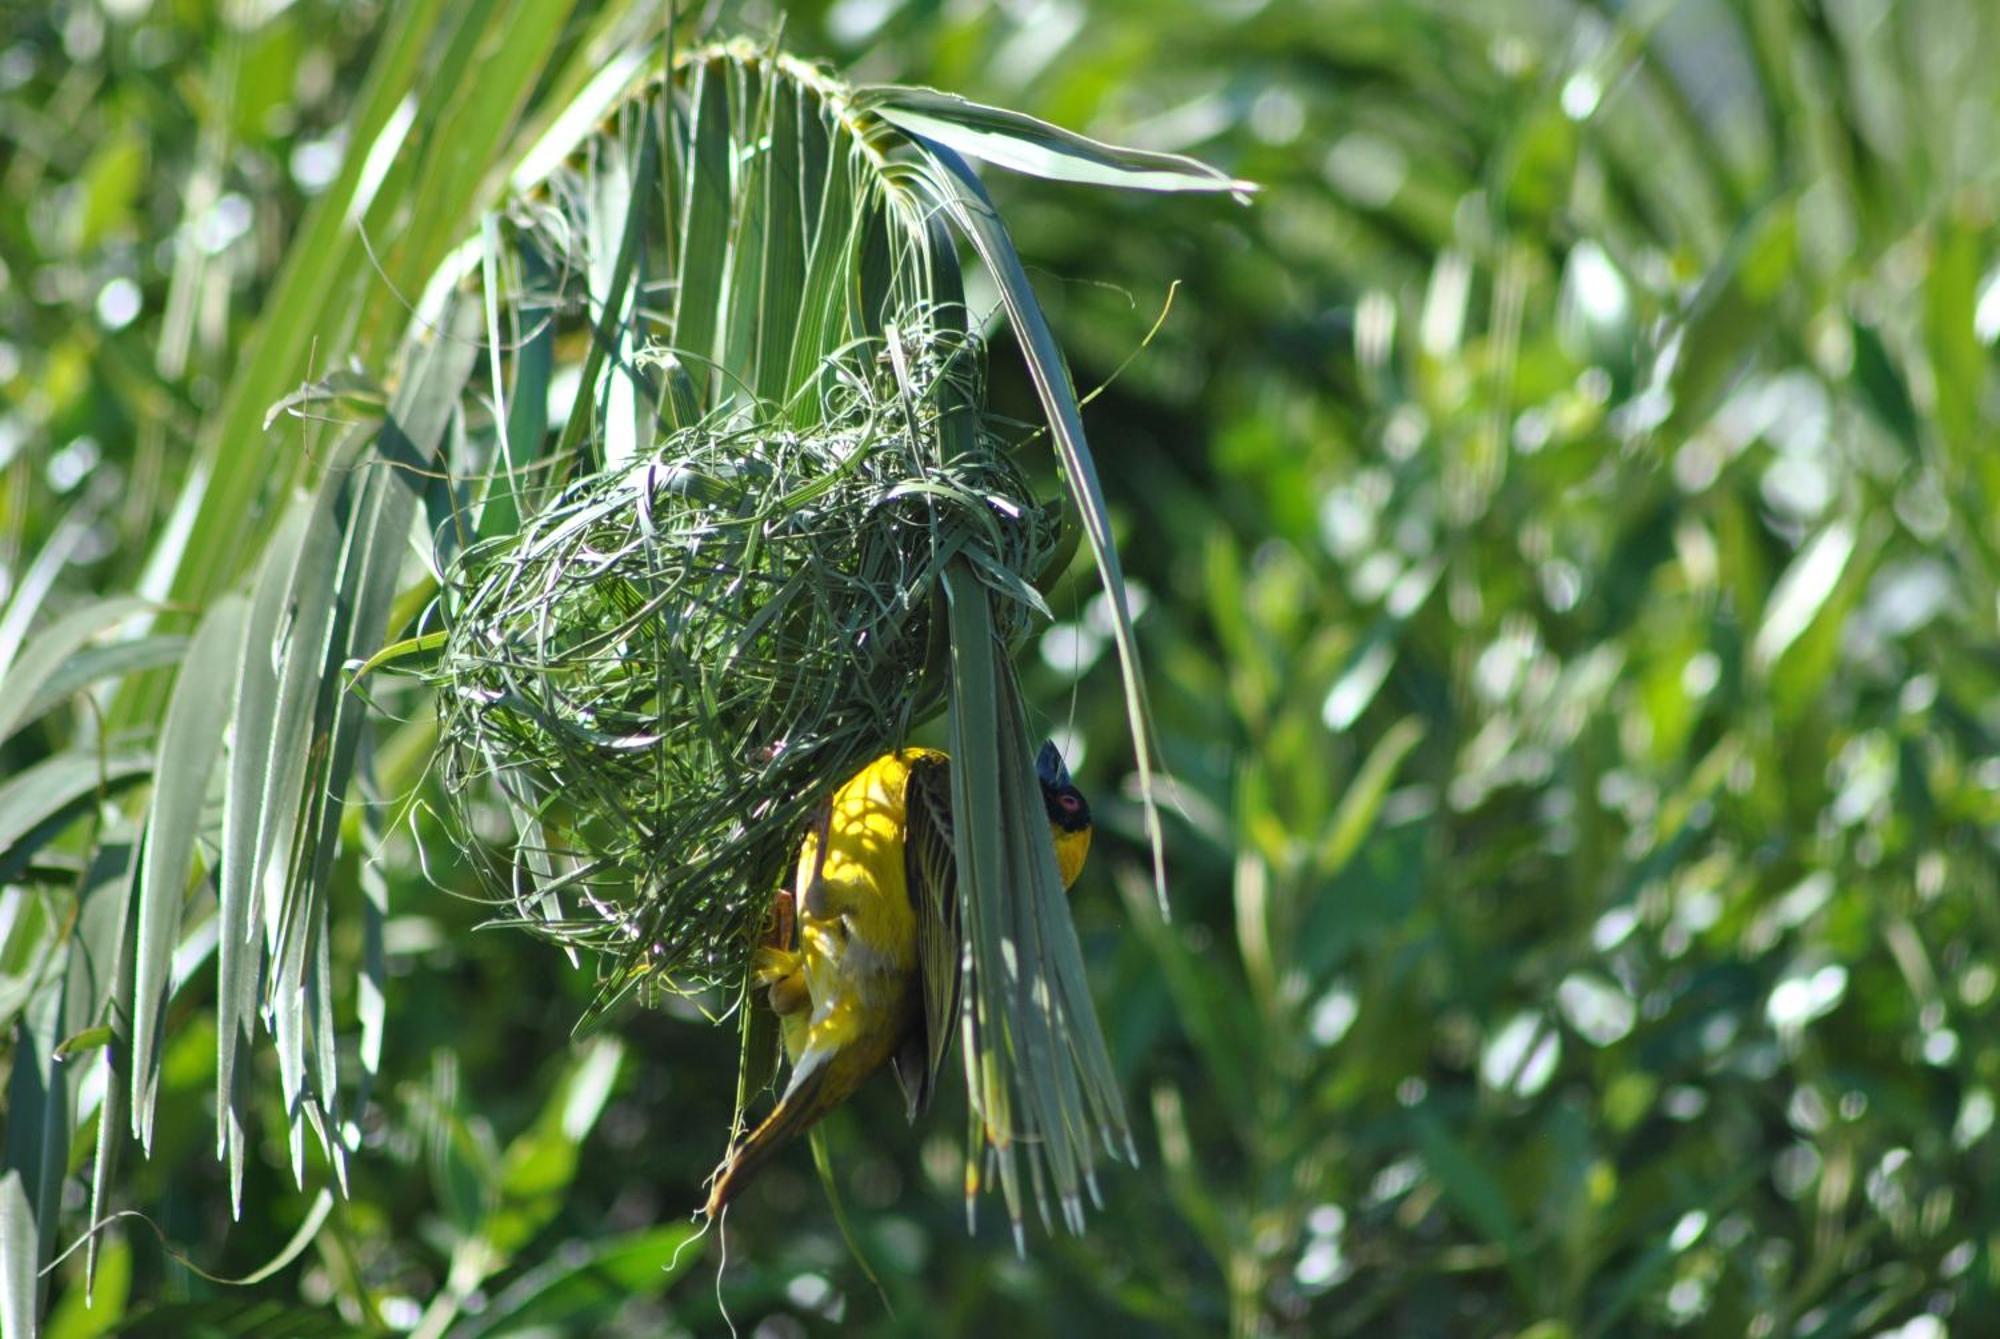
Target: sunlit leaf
x=1022, y=143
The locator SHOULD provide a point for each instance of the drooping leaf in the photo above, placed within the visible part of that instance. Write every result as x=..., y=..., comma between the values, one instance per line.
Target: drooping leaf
x=47, y=655
x=240, y=942
x=190, y=739
x=959, y=190
x=41, y=1102
x=98, y=664
x=1022, y=143
x=42, y=800
x=32, y=586
x=17, y=1259
x=110, y=934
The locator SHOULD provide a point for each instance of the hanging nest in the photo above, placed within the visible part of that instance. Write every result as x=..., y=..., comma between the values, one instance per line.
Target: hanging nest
x=729, y=286
x=660, y=672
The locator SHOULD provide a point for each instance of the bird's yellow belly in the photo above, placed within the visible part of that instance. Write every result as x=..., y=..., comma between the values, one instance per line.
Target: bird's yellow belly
x=857, y=931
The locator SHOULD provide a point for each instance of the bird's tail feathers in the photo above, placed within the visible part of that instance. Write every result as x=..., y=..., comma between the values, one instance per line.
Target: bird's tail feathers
x=807, y=1097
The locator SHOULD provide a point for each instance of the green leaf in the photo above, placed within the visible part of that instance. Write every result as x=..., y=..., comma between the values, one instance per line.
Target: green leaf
x=95, y=664
x=106, y=189
x=39, y=802
x=239, y=945
x=40, y=1105
x=109, y=929
x=740, y=328
x=1724, y=323
x=538, y=1167
x=620, y=216
x=582, y=96
x=42, y=1101
x=371, y=1003
x=32, y=586
x=48, y=653
x=1021, y=143
x=190, y=739
x=1362, y=800
x=300, y=657
x=1211, y=1005
x=1958, y=364
x=372, y=518
x=705, y=230
x=1802, y=592
x=84, y=1316
x=979, y=847
x=324, y=269
x=293, y=1248
x=259, y=1319
x=471, y=101
x=1193, y=1199
x=17, y=1259
x=1036, y=1067
x=90, y=1039
x=782, y=269
x=830, y=1184
x=846, y=204
x=296, y=754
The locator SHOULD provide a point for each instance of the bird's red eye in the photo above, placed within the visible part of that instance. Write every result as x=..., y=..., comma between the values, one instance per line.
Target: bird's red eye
x=1070, y=803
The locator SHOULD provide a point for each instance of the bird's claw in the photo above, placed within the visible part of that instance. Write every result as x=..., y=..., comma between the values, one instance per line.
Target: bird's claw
x=771, y=965
x=783, y=971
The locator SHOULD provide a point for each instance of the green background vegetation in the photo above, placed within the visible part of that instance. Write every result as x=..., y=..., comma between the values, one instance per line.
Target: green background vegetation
x=1567, y=509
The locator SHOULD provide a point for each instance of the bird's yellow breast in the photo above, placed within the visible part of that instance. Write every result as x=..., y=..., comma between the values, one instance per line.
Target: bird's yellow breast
x=855, y=917
x=1071, y=850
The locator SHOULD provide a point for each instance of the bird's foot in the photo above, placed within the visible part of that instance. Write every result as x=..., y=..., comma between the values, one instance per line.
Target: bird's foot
x=783, y=971
x=769, y=965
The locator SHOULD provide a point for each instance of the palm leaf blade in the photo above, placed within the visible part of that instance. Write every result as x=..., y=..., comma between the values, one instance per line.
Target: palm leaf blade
x=190, y=740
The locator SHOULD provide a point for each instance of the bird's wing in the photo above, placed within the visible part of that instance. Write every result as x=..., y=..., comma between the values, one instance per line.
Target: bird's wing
x=931, y=872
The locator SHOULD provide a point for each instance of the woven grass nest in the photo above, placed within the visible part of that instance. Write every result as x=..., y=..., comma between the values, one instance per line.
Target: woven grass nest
x=662, y=669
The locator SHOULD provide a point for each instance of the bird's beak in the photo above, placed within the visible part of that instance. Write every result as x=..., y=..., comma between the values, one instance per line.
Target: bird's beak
x=1049, y=766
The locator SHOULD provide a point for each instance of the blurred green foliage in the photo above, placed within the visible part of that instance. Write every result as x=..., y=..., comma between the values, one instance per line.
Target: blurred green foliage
x=1565, y=503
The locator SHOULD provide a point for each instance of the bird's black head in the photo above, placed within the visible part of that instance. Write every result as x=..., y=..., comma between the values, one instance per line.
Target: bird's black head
x=1068, y=809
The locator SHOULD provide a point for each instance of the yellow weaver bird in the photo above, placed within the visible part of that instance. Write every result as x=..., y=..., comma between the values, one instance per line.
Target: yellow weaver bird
x=873, y=974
